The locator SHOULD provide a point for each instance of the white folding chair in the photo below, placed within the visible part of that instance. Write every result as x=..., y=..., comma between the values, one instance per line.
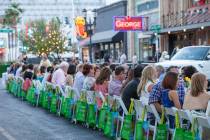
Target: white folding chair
x=120, y=119
x=151, y=109
x=208, y=109
x=170, y=112
x=138, y=106
x=76, y=95
x=203, y=122
x=184, y=115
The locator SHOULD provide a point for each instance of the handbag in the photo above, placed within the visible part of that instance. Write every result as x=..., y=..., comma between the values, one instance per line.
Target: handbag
x=142, y=127
x=111, y=119
x=161, y=130
x=127, y=128
x=26, y=84
x=182, y=134
x=81, y=108
x=53, y=104
x=92, y=109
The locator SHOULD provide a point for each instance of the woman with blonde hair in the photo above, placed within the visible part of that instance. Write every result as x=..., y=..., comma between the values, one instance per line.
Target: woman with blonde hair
x=197, y=97
x=149, y=76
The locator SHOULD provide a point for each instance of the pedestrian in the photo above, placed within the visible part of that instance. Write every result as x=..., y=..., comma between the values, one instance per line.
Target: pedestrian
x=197, y=97
x=147, y=81
x=29, y=72
x=164, y=56
x=97, y=71
x=170, y=97
x=134, y=59
x=18, y=72
x=79, y=78
x=115, y=84
x=129, y=77
x=47, y=74
x=160, y=72
x=59, y=76
x=130, y=91
x=155, y=95
x=123, y=58
x=101, y=84
x=88, y=72
x=42, y=72
x=45, y=61
x=70, y=75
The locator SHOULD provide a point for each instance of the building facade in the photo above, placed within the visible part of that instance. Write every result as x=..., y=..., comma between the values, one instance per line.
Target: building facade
x=65, y=10
x=184, y=23
x=48, y=9
x=106, y=41
x=146, y=41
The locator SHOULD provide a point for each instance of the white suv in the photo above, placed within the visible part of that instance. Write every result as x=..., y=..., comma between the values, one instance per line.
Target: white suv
x=197, y=56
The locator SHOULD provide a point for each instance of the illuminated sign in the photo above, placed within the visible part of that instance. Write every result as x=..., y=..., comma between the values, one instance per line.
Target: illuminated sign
x=80, y=27
x=126, y=23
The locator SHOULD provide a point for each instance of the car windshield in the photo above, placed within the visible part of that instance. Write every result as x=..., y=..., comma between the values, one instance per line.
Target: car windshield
x=189, y=53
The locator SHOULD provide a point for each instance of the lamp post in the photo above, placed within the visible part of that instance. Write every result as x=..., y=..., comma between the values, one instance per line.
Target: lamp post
x=90, y=26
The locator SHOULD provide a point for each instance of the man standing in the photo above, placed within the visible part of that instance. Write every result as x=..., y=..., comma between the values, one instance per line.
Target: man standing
x=59, y=76
x=123, y=58
x=45, y=61
x=116, y=84
x=134, y=59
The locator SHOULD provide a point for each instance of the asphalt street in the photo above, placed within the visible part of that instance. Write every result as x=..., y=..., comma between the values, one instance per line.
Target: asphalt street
x=21, y=121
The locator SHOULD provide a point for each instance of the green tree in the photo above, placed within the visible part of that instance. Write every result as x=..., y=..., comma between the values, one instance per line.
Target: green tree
x=12, y=15
x=55, y=39
x=45, y=38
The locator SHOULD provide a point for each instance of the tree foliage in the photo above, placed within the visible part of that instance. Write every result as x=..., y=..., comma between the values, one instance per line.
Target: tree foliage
x=44, y=38
x=12, y=15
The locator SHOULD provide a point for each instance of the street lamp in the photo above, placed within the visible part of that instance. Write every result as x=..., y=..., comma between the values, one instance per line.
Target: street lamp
x=90, y=26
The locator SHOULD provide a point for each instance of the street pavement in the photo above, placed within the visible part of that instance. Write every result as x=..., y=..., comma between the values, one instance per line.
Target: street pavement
x=21, y=121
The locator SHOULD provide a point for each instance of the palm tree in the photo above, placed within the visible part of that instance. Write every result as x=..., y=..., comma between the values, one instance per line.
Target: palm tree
x=12, y=15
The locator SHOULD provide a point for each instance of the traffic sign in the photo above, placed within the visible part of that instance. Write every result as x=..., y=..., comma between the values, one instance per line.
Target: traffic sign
x=6, y=30
x=155, y=28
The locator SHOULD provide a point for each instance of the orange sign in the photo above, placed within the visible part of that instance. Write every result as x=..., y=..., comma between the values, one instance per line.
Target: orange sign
x=80, y=27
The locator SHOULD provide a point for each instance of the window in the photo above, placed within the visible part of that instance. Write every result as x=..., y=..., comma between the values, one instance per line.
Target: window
x=147, y=6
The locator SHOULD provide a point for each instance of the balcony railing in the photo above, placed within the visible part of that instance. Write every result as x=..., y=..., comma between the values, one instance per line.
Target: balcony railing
x=191, y=16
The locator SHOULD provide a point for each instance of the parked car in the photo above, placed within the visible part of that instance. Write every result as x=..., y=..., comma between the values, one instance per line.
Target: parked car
x=197, y=56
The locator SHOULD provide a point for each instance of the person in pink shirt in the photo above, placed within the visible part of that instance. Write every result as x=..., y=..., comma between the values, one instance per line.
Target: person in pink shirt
x=59, y=76
x=102, y=83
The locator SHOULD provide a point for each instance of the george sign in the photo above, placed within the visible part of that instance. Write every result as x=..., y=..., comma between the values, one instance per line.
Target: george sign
x=126, y=23
x=80, y=27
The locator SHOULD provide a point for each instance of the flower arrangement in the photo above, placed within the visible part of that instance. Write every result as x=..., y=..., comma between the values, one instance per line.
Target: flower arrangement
x=187, y=82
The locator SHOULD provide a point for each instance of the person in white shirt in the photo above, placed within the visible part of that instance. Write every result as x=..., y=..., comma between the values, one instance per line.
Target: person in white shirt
x=18, y=72
x=45, y=61
x=147, y=81
x=123, y=58
x=59, y=76
x=79, y=78
x=134, y=59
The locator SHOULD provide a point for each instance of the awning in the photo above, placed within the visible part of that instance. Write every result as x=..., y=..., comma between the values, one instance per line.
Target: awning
x=186, y=27
x=103, y=37
x=177, y=29
x=106, y=36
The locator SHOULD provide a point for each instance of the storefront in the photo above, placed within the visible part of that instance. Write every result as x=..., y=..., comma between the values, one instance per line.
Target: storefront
x=106, y=41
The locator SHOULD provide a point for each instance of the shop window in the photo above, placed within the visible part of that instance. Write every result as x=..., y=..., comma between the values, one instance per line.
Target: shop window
x=148, y=50
x=147, y=6
x=199, y=2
